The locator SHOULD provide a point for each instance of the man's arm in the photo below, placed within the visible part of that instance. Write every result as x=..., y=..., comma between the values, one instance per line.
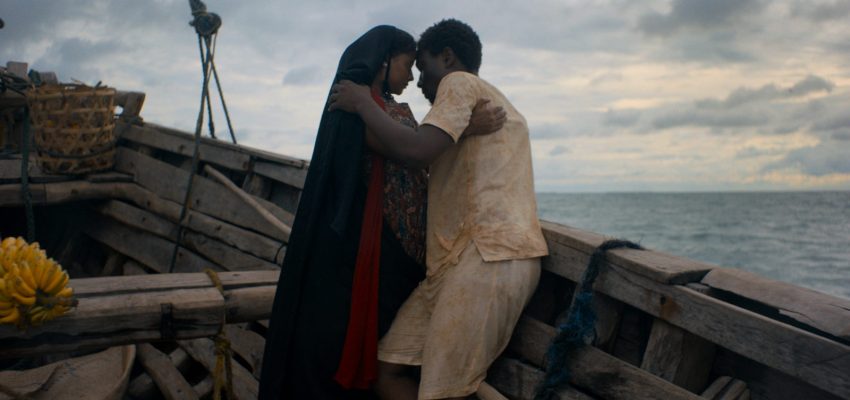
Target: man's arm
x=415, y=147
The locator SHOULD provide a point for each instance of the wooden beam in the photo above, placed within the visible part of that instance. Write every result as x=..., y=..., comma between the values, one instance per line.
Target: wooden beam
x=660, y=267
x=594, y=370
x=807, y=356
x=245, y=387
x=247, y=344
x=143, y=308
x=520, y=381
x=143, y=386
x=148, y=249
x=678, y=356
x=284, y=229
x=827, y=313
x=163, y=372
x=221, y=254
x=207, y=196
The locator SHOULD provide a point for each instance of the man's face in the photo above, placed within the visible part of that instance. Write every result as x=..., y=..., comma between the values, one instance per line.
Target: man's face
x=431, y=71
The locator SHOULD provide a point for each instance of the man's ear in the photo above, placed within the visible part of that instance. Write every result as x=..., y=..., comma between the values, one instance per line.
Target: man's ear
x=448, y=57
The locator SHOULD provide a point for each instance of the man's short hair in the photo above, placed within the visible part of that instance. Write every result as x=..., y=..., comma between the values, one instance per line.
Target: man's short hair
x=456, y=35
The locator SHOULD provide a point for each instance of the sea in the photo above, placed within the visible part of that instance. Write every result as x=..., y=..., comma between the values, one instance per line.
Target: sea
x=797, y=237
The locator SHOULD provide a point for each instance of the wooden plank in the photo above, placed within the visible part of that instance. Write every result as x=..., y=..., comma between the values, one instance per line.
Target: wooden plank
x=248, y=345
x=259, y=154
x=242, y=239
x=245, y=387
x=184, y=146
x=204, y=387
x=112, y=320
x=815, y=359
x=207, y=197
x=150, y=250
x=143, y=387
x=91, y=287
x=249, y=200
x=764, y=382
x=716, y=387
x=292, y=176
x=827, y=313
x=678, y=356
x=221, y=254
x=10, y=194
x=163, y=372
x=592, y=369
x=657, y=266
x=520, y=381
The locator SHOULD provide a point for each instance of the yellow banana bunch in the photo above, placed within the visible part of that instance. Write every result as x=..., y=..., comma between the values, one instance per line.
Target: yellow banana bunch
x=32, y=287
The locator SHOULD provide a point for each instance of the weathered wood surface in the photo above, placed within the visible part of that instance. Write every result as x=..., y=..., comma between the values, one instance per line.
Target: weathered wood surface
x=143, y=386
x=218, y=152
x=150, y=250
x=247, y=344
x=120, y=310
x=593, y=370
x=119, y=319
x=162, y=371
x=520, y=381
x=657, y=266
x=812, y=358
x=678, y=356
x=207, y=196
x=821, y=311
x=220, y=253
x=240, y=238
x=245, y=387
x=285, y=230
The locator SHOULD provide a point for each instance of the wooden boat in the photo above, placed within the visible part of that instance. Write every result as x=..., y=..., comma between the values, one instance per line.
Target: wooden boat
x=667, y=327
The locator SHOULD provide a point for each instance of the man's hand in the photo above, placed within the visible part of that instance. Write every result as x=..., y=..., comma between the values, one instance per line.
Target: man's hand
x=485, y=119
x=348, y=96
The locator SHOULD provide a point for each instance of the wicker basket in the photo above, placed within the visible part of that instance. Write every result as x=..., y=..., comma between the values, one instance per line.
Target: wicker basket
x=73, y=128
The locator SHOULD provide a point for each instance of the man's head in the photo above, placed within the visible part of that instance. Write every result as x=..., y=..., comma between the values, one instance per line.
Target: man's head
x=447, y=46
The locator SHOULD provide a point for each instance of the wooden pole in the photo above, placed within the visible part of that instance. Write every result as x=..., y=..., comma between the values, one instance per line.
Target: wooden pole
x=285, y=229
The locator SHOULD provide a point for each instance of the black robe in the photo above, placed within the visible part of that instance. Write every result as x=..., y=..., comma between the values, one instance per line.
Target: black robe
x=311, y=307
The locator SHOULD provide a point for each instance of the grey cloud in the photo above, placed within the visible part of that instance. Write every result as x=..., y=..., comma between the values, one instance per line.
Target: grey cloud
x=698, y=14
x=750, y=152
x=842, y=136
x=548, y=131
x=769, y=92
x=820, y=11
x=717, y=119
x=559, y=150
x=306, y=75
x=823, y=159
x=621, y=118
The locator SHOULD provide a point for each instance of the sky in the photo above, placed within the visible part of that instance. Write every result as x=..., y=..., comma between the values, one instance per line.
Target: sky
x=619, y=95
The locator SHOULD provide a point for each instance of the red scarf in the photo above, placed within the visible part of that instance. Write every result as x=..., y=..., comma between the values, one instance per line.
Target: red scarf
x=358, y=367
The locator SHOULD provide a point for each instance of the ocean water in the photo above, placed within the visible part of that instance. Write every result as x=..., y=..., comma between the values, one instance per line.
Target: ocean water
x=797, y=237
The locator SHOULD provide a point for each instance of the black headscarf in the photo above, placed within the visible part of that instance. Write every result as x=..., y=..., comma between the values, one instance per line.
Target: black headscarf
x=331, y=202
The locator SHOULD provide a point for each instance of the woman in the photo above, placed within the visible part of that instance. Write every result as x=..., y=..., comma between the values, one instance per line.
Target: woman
x=357, y=244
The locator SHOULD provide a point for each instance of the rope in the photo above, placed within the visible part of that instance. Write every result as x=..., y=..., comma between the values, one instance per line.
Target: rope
x=579, y=327
x=26, y=194
x=223, y=371
x=206, y=26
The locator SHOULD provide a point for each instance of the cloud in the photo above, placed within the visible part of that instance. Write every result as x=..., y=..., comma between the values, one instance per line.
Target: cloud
x=307, y=75
x=743, y=95
x=559, y=150
x=824, y=159
x=841, y=136
x=820, y=11
x=621, y=118
x=698, y=14
x=548, y=131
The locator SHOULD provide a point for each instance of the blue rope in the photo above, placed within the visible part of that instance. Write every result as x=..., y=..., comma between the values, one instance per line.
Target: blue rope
x=578, y=329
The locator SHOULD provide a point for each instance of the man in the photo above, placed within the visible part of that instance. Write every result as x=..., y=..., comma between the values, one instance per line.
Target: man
x=484, y=241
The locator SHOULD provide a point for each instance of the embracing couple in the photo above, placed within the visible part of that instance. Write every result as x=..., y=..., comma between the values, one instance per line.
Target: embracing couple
x=415, y=247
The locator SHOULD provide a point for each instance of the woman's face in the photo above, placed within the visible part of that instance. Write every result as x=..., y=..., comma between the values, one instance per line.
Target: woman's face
x=401, y=72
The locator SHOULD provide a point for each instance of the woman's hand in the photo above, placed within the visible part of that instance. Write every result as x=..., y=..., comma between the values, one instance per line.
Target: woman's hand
x=485, y=119
x=348, y=96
